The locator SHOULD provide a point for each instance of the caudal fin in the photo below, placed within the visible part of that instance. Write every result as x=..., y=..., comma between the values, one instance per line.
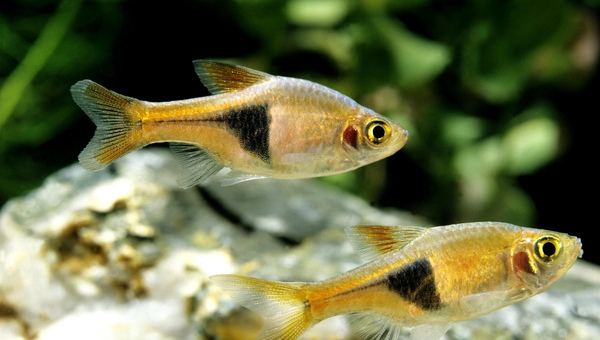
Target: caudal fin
x=118, y=124
x=282, y=305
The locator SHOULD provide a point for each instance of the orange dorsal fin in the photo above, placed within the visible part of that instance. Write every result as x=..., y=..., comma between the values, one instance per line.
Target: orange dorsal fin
x=374, y=241
x=222, y=78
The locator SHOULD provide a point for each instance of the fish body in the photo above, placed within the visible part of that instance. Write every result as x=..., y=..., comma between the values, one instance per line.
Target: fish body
x=425, y=278
x=257, y=124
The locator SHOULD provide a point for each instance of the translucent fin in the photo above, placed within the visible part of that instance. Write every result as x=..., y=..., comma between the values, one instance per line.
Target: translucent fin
x=286, y=314
x=429, y=332
x=197, y=164
x=117, y=120
x=376, y=327
x=222, y=78
x=305, y=157
x=481, y=299
x=372, y=242
x=235, y=177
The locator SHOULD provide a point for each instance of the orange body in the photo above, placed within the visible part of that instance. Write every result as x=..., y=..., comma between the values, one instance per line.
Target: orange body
x=256, y=124
x=430, y=277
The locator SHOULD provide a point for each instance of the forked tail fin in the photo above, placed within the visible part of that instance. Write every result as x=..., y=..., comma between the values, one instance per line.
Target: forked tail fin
x=283, y=306
x=118, y=124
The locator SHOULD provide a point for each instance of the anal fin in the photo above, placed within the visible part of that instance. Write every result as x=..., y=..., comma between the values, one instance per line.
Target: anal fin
x=197, y=164
x=369, y=326
x=429, y=332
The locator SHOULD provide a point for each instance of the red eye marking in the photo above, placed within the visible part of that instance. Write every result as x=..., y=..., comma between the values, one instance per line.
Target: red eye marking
x=351, y=136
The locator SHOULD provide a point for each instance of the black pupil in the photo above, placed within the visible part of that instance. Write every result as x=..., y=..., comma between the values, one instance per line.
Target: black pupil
x=549, y=249
x=378, y=131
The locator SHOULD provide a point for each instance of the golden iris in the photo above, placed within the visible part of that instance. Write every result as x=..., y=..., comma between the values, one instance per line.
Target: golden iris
x=377, y=132
x=547, y=248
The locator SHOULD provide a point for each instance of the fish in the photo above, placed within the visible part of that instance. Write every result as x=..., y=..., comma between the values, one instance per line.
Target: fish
x=421, y=279
x=256, y=124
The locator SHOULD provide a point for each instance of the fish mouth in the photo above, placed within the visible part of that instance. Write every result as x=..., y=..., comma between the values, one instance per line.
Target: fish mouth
x=403, y=137
x=579, y=245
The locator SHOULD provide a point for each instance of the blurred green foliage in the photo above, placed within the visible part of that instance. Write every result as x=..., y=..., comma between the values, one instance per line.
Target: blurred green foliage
x=463, y=76
x=40, y=56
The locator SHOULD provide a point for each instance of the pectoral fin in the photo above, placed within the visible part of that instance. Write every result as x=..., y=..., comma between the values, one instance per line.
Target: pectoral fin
x=477, y=300
x=372, y=241
x=235, y=177
x=197, y=164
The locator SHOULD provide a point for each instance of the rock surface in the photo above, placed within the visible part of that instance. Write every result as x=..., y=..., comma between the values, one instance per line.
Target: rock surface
x=125, y=254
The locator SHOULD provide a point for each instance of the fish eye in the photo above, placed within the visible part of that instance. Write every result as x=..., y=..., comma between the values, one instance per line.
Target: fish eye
x=377, y=132
x=547, y=248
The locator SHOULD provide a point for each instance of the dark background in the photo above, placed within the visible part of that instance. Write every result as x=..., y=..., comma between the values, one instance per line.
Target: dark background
x=473, y=81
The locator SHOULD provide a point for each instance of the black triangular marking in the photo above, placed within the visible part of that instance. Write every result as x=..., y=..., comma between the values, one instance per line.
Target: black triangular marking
x=415, y=283
x=250, y=124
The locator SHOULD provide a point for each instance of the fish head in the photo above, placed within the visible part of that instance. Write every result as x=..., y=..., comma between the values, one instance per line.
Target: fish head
x=541, y=257
x=371, y=137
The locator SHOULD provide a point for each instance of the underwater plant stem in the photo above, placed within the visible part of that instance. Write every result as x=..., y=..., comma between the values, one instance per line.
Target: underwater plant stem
x=42, y=49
